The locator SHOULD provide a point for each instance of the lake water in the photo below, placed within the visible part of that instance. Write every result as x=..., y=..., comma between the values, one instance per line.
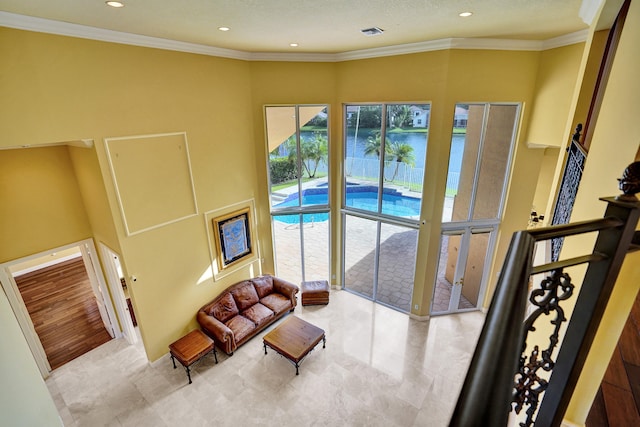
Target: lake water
x=417, y=140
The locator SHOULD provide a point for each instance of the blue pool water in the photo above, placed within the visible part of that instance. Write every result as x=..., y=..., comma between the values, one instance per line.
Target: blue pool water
x=359, y=197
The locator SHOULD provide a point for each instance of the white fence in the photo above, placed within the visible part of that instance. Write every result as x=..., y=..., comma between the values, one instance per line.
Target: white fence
x=406, y=176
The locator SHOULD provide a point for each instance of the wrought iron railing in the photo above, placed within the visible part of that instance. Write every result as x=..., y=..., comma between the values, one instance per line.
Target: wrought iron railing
x=502, y=377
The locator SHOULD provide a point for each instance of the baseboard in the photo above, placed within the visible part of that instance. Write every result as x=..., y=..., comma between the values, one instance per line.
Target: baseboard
x=419, y=318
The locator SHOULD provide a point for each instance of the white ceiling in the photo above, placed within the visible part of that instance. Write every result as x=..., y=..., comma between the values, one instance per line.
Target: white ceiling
x=318, y=26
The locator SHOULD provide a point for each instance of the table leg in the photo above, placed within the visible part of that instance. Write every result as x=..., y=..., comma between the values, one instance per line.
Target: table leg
x=174, y=361
x=264, y=344
x=188, y=373
x=324, y=340
x=296, y=368
x=215, y=354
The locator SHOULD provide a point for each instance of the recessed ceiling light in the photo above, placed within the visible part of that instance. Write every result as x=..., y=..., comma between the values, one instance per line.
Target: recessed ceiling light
x=465, y=14
x=224, y=28
x=114, y=3
x=293, y=44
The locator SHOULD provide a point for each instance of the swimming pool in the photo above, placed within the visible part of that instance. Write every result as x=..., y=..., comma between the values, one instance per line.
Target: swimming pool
x=363, y=197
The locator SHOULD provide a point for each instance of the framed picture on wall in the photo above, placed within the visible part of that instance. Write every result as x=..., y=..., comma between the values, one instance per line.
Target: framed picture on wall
x=233, y=237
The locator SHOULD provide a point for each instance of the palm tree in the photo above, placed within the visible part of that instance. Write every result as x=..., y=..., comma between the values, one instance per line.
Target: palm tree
x=313, y=152
x=400, y=152
x=373, y=145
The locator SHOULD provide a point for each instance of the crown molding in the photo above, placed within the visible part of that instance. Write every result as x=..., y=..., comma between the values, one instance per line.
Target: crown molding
x=566, y=40
x=41, y=25
x=402, y=49
x=292, y=57
x=81, y=143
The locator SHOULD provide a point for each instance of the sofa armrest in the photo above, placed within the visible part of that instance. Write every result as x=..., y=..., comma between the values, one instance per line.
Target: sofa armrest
x=218, y=330
x=286, y=288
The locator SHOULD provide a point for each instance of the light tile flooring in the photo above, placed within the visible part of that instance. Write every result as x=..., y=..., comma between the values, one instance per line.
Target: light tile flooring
x=379, y=368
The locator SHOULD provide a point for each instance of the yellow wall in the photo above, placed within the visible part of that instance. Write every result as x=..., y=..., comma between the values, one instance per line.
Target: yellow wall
x=614, y=146
x=64, y=89
x=92, y=188
x=554, y=94
x=42, y=207
x=589, y=79
x=545, y=181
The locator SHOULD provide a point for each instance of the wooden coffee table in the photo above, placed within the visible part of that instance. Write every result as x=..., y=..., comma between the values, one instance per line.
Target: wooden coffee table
x=293, y=339
x=191, y=348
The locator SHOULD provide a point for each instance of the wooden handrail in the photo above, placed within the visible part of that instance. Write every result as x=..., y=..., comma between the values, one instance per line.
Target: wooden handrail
x=500, y=373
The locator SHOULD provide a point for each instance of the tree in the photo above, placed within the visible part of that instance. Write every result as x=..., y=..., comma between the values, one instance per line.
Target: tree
x=374, y=143
x=312, y=152
x=370, y=117
x=399, y=115
x=400, y=152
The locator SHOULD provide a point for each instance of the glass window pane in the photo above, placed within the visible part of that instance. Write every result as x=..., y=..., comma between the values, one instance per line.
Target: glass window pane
x=286, y=236
x=447, y=266
x=283, y=164
x=396, y=266
x=314, y=151
x=359, y=254
x=474, y=270
x=316, y=246
x=465, y=144
x=362, y=156
x=495, y=157
x=404, y=159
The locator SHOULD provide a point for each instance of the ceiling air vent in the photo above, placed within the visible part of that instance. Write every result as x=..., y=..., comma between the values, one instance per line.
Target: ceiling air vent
x=373, y=31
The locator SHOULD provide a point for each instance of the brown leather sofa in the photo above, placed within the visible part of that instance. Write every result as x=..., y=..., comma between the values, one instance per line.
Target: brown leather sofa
x=244, y=309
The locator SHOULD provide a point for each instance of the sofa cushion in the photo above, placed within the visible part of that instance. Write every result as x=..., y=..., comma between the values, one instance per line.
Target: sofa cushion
x=277, y=303
x=225, y=308
x=258, y=314
x=245, y=295
x=241, y=327
x=264, y=285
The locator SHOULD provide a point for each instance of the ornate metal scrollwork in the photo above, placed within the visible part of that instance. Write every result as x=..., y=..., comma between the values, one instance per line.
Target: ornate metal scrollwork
x=528, y=384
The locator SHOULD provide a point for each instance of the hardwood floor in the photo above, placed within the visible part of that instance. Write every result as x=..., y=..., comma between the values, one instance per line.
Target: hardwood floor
x=63, y=310
x=618, y=401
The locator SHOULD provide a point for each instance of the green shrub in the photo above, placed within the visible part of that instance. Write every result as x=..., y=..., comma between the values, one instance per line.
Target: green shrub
x=282, y=169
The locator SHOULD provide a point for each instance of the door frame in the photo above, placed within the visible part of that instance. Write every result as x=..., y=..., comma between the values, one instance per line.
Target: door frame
x=98, y=288
x=19, y=308
x=117, y=293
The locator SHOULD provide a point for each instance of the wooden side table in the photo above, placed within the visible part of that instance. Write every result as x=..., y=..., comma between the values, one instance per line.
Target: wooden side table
x=191, y=348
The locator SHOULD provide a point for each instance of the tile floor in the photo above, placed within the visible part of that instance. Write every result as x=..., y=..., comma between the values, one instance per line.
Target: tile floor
x=379, y=368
